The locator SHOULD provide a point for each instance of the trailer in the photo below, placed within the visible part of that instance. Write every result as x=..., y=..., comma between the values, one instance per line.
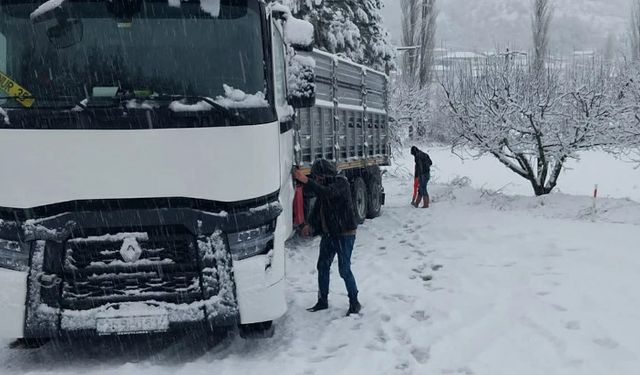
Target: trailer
x=348, y=125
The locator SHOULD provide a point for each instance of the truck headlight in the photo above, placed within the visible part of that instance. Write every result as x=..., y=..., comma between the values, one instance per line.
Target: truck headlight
x=14, y=255
x=251, y=242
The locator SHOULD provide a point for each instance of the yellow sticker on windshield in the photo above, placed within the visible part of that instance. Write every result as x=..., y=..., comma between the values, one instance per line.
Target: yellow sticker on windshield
x=14, y=90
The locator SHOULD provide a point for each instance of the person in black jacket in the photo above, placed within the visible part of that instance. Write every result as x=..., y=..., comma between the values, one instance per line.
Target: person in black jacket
x=332, y=216
x=423, y=174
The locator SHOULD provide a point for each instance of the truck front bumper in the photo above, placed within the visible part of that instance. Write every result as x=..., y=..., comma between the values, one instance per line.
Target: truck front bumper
x=79, y=281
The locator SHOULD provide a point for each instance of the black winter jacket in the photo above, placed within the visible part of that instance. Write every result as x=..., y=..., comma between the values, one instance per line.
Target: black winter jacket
x=423, y=163
x=334, y=199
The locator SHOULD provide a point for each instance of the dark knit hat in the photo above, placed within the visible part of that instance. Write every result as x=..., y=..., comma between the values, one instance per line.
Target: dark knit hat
x=324, y=167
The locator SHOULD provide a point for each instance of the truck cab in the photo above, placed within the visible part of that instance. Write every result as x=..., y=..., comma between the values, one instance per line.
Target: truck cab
x=145, y=154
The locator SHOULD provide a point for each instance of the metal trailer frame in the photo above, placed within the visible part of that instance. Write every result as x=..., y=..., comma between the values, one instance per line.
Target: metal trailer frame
x=349, y=124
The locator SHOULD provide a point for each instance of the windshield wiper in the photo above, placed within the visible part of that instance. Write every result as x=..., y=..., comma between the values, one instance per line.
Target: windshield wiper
x=177, y=98
x=186, y=109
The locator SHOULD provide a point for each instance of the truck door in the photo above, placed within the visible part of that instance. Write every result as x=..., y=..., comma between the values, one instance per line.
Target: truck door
x=284, y=112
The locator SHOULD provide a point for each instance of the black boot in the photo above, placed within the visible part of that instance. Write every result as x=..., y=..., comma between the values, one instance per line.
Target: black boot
x=354, y=308
x=319, y=306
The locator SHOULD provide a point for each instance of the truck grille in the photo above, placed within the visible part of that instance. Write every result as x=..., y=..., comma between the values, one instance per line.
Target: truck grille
x=158, y=264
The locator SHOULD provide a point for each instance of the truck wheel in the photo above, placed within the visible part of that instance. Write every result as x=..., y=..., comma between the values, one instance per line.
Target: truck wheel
x=262, y=330
x=374, y=203
x=359, y=192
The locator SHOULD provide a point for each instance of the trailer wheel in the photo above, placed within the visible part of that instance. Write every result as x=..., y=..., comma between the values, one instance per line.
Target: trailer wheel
x=359, y=193
x=374, y=190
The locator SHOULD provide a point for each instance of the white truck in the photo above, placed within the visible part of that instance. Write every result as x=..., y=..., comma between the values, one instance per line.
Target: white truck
x=146, y=150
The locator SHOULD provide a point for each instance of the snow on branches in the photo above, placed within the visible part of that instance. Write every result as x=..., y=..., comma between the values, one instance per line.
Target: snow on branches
x=531, y=122
x=349, y=28
x=629, y=111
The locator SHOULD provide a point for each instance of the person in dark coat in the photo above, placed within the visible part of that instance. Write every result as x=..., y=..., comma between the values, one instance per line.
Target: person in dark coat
x=334, y=218
x=423, y=174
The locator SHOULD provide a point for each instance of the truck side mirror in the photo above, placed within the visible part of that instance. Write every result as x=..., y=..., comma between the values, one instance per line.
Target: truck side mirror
x=66, y=33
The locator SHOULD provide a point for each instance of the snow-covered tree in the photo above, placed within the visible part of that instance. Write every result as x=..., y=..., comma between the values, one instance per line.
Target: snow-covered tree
x=634, y=30
x=419, y=18
x=531, y=122
x=628, y=111
x=540, y=23
x=351, y=28
x=410, y=27
x=410, y=105
x=427, y=41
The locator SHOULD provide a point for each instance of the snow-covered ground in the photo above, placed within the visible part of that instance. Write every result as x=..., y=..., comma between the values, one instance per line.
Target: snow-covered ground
x=481, y=283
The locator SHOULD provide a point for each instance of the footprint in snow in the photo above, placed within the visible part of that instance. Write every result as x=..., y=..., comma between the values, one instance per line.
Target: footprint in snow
x=420, y=268
x=459, y=371
x=559, y=308
x=421, y=355
x=333, y=349
x=420, y=315
x=573, y=325
x=376, y=347
x=321, y=358
x=402, y=366
x=402, y=336
x=381, y=336
x=426, y=277
x=606, y=343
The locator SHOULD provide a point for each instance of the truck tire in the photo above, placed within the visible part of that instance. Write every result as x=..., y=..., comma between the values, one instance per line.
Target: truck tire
x=360, y=200
x=374, y=190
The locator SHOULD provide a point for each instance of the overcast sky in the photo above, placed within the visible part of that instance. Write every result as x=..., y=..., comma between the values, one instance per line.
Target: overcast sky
x=481, y=25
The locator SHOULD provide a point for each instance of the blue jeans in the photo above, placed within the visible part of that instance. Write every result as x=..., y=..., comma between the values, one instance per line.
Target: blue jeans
x=329, y=247
x=424, y=180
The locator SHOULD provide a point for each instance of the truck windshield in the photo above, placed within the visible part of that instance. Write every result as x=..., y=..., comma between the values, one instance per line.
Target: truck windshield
x=160, y=53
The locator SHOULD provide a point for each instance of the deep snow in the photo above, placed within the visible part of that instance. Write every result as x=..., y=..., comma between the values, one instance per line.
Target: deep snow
x=481, y=283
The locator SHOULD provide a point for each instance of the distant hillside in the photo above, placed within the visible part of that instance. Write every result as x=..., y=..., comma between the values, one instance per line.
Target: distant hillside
x=485, y=24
